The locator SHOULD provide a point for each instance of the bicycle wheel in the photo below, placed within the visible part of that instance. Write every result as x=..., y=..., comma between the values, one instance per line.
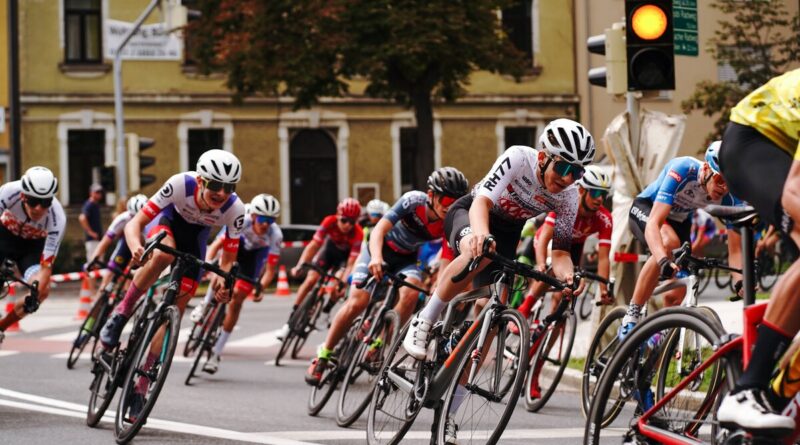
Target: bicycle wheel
x=363, y=369
x=103, y=388
x=602, y=348
x=704, y=278
x=638, y=359
x=587, y=301
x=195, y=337
x=768, y=275
x=147, y=370
x=722, y=279
x=484, y=411
x=310, y=326
x=549, y=361
x=208, y=340
x=88, y=329
x=393, y=406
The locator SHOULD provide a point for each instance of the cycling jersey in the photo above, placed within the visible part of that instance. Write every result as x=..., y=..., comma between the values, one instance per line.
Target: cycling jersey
x=270, y=241
x=599, y=222
x=180, y=194
x=704, y=219
x=678, y=186
x=350, y=241
x=774, y=110
x=411, y=227
x=514, y=186
x=117, y=227
x=49, y=228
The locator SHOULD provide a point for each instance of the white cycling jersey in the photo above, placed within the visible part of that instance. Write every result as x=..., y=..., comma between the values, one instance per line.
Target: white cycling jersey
x=51, y=226
x=117, y=226
x=514, y=186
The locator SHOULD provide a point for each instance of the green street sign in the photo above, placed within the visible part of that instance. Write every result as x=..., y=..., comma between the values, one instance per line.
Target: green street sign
x=684, y=20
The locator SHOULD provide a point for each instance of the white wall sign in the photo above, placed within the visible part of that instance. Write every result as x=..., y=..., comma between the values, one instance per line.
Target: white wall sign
x=2, y=120
x=151, y=42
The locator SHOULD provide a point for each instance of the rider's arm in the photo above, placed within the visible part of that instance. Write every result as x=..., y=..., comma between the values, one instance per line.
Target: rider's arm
x=652, y=232
x=544, y=235
x=603, y=264
x=133, y=230
x=735, y=253
x=701, y=232
x=309, y=252
x=376, y=239
x=101, y=248
x=213, y=249
x=562, y=265
x=479, y=220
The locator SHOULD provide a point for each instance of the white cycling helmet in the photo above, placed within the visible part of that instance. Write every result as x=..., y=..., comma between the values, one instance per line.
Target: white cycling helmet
x=39, y=182
x=265, y=205
x=136, y=203
x=377, y=206
x=569, y=140
x=595, y=178
x=220, y=165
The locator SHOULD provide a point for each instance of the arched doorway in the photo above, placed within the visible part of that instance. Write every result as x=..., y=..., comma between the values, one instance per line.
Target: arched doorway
x=313, y=175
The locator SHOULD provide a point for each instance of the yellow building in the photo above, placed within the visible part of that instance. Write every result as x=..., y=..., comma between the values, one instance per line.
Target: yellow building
x=310, y=158
x=4, y=96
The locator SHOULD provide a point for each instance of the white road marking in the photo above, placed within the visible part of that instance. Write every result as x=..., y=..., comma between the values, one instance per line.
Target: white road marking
x=7, y=353
x=262, y=340
x=66, y=336
x=288, y=362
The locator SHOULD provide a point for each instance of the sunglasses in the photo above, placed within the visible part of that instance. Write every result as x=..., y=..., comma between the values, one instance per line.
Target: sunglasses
x=595, y=193
x=375, y=215
x=447, y=201
x=719, y=180
x=261, y=219
x=216, y=186
x=564, y=168
x=346, y=220
x=44, y=203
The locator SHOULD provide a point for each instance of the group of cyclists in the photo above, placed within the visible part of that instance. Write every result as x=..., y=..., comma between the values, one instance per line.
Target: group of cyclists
x=754, y=164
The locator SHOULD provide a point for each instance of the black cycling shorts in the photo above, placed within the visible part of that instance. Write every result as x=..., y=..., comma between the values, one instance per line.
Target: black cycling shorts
x=506, y=235
x=639, y=214
x=330, y=256
x=120, y=257
x=24, y=252
x=189, y=238
x=756, y=170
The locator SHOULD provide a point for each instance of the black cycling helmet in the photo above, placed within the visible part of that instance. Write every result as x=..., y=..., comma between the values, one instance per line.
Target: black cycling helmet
x=448, y=181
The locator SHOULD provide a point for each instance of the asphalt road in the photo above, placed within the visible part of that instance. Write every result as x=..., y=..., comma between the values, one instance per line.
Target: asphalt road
x=248, y=401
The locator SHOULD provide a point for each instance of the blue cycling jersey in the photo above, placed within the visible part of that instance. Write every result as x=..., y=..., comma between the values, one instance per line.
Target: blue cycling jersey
x=678, y=186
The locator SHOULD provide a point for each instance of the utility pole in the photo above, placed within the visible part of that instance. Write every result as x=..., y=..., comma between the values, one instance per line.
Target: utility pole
x=122, y=166
x=14, y=167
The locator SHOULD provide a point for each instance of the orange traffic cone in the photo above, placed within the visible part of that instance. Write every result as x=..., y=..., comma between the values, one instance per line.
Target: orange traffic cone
x=283, y=283
x=84, y=300
x=10, y=303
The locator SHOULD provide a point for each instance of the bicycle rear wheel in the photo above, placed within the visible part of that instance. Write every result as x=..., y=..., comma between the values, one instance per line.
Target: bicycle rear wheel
x=148, y=373
x=601, y=350
x=549, y=361
x=208, y=340
x=587, y=301
x=770, y=267
x=88, y=329
x=393, y=406
x=684, y=412
x=103, y=388
x=310, y=326
x=363, y=370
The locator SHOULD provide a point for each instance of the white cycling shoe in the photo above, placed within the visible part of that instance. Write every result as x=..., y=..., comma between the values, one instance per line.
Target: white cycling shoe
x=750, y=410
x=417, y=338
x=197, y=313
x=281, y=335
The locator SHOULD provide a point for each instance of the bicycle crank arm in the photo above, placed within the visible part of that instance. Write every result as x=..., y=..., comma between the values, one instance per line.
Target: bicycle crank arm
x=483, y=393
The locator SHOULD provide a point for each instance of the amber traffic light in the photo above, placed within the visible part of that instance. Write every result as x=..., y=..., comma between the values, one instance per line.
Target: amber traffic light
x=649, y=45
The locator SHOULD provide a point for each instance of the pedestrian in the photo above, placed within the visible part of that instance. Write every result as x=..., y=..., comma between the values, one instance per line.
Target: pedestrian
x=90, y=221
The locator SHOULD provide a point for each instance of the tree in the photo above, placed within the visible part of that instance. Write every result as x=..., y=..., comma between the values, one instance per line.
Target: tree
x=759, y=42
x=413, y=52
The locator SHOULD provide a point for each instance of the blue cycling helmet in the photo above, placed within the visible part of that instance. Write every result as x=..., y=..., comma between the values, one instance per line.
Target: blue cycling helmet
x=712, y=156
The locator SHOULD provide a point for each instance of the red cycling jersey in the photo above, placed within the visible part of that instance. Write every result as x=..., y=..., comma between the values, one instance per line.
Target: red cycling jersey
x=600, y=223
x=329, y=229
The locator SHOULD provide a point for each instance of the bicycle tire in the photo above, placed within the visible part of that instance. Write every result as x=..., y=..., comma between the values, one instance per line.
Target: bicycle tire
x=587, y=301
x=721, y=279
x=704, y=279
x=194, y=339
x=170, y=318
x=564, y=330
x=592, y=369
x=319, y=395
x=509, y=399
x=665, y=320
x=771, y=269
x=95, y=319
x=208, y=341
x=384, y=388
x=389, y=325
x=102, y=388
x=301, y=338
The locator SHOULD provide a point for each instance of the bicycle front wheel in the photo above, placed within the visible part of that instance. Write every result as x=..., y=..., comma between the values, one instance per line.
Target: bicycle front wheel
x=103, y=388
x=208, y=339
x=310, y=326
x=601, y=350
x=548, y=362
x=147, y=374
x=478, y=406
x=88, y=330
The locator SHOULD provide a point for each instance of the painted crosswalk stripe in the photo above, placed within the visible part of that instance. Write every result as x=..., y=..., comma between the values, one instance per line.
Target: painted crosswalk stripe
x=262, y=340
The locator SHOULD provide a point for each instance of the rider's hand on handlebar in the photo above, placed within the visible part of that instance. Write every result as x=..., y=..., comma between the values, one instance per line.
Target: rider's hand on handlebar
x=295, y=272
x=375, y=267
x=605, y=298
x=581, y=287
x=136, y=256
x=472, y=244
x=221, y=293
x=666, y=268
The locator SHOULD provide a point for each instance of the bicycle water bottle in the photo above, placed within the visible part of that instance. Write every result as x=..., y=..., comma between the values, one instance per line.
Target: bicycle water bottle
x=787, y=383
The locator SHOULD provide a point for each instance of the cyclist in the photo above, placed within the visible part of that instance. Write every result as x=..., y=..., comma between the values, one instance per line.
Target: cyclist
x=32, y=225
x=121, y=255
x=337, y=242
x=374, y=212
x=592, y=218
x=417, y=217
x=522, y=183
x=703, y=230
x=756, y=157
x=260, y=246
x=660, y=218
x=185, y=207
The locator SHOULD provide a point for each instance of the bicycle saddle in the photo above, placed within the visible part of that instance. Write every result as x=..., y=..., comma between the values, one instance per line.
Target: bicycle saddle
x=739, y=216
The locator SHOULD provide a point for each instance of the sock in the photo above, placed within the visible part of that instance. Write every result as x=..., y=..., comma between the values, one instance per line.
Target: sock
x=433, y=309
x=458, y=398
x=526, y=306
x=770, y=346
x=141, y=385
x=209, y=296
x=324, y=353
x=128, y=302
x=633, y=314
x=8, y=320
x=220, y=345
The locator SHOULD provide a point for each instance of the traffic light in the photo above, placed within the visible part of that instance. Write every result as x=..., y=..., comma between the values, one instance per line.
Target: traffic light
x=612, y=45
x=108, y=178
x=649, y=45
x=136, y=162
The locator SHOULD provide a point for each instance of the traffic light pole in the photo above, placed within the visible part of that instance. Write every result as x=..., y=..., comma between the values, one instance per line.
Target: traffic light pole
x=632, y=105
x=122, y=167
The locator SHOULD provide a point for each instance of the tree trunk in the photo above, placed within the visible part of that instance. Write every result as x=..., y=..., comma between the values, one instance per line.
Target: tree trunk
x=424, y=163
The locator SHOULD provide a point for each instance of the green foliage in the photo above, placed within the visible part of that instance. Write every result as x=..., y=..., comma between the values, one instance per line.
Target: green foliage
x=759, y=41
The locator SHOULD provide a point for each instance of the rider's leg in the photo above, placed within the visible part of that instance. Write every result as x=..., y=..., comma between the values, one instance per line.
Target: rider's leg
x=407, y=301
x=305, y=288
x=355, y=304
x=231, y=317
x=537, y=290
x=144, y=277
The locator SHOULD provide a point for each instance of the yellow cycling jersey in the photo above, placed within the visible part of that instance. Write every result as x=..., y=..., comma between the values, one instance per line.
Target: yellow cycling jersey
x=774, y=110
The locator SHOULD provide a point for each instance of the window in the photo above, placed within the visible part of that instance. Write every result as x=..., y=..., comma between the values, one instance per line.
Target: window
x=82, y=25
x=86, y=151
x=188, y=41
x=202, y=140
x=517, y=22
x=520, y=136
x=408, y=152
